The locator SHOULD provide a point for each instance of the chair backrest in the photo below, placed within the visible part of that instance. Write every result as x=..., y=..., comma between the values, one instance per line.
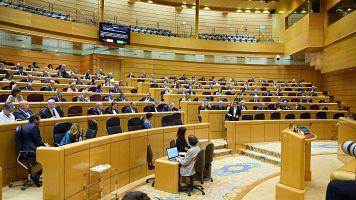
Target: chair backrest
x=259, y=116
x=81, y=89
x=160, y=106
x=134, y=90
x=275, y=116
x=200, y=161
x=305, y=115
x=92, y=89
x=263, y=88
x=145, y=109
x=177, y=119
x=149, y=157
x=95, y=97
x=290, y=116
x=167, y=120
x=43, y=89
x=209, y=153
x=113, y=125
x=321, y=115
x=135, y=123
x=247, y=117
x=75, y=111
x=123, y=109
x=254, y=108
x=266, y=99
x=3, y=71
x=314, y=107
x=6, y=87
x=34, y=97
x=325, y=108
x=172, y=143
x=292, y=94
x=338, y=115
x=295, y=100
x=59, y=130
x=3, y=97
x=92, y=129
x=154, y=85
x=90, y=110
x=196, y=99
x=287, y=89
x=75, y=99
x=206, y=93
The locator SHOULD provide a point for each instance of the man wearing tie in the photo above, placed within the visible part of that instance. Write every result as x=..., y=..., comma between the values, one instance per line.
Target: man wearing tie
x=234, y=112
x=115, y=89
x=20, y=72
x=52, y=86
x=132, y=108
x=242, y=105
x=24, y=112
x=147, y=98
x=52, y=111
x=98, y=110
x=59, y=97
x=154, y=107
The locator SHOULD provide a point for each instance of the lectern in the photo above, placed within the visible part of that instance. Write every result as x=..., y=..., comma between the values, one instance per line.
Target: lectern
x=295, y=165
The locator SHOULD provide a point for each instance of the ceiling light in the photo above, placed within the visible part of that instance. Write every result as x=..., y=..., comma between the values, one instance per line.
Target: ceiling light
x=239, y=11
x=281, y=11
x=184, y=6
x=206, y=8
x=150, y=1
x=257, y=11
x=247, y=11
x=193, y=7
x=266, y=12
x=303, y=11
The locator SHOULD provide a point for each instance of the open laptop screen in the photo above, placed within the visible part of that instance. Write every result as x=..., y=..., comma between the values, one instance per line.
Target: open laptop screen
x=172, y=153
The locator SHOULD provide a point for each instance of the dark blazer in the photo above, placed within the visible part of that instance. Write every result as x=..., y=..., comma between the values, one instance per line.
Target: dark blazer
x=25, y=80
x=285, y=107
x=31, y=139
x=110, y=111
x=151, y=108
x=253, y=100
x=122, y=99
x=231, y=112
x=243, y=107
x=97, y=112
x=20, y=74
x=266, y=94
x=108, y=99
x=114, y=90
x=46, y=113
x=144, y=98
x=182, y=145
x=217, y=107
x=299, y=107
x=166, y=108
x=49, y=88
x=128, y=110
x=261, y=108
x=21, y=115
x=27, y=88
x=57, y=99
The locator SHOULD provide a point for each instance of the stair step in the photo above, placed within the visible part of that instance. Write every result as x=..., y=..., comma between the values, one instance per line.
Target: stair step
x=261, y=156
x=222, y=152
x=252, y=147
x=219, y=143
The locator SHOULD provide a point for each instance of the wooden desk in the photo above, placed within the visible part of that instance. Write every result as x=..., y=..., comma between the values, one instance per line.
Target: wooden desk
x=166, y=175
x=347, y=131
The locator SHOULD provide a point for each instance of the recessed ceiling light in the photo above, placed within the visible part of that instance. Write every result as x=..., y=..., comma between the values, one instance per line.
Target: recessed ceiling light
x=257, y=11
x=266, y=12
x=247, y=11
x=239, y=11
x=150, y=1
x=184, y=6
x=206, y=8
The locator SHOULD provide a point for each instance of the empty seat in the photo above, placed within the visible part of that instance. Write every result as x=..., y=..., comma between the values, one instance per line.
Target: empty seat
x=59, y=130
x=160, y=107
x=290, y=116
x=292, y=94
x=43, y=89
x=113, y=125
x=95, y=97
x=146, y=109
x=259, y=116
x=321, y=115
x=295, y=100
x=266, y=99
x=133, y=90
x=177, y=119
x=275, y=116
x=75, y=111
x=3, y=97
x=154, y=85
x=167, y=120
x=206, y=93
x=247, y=117
x=135, y=123
x=338, y=115
x=314, y=107
x=34, y=97
x=305, y=115
x=92, y=129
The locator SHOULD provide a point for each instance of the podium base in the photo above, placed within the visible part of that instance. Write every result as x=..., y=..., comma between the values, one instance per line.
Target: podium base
x=284, y=192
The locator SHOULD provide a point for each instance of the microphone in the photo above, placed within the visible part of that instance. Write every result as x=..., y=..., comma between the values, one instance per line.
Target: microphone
x=349, y=147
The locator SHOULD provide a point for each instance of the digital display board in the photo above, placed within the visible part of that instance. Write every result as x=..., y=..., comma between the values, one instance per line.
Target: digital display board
x=114, y=33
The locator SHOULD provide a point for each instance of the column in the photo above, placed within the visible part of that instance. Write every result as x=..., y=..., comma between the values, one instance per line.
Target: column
x=197, y=6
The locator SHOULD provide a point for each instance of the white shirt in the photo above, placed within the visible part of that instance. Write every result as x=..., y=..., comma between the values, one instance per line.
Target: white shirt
x=27, y=114
x=114, y=111
x=234, y=113
x=55, y=112
x=5, y=119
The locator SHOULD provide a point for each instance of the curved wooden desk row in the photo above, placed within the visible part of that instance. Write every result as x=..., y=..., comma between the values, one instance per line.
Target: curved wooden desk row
x=347, y=131
x=8, y=153
x=69, y=95
x=191, y=108
x=241, y=132
x=66, y=168
x=37, y=86
x=37, y=106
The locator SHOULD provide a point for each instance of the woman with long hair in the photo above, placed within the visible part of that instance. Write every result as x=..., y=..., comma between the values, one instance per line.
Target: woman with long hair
x=74, y=134
x=181, y=143
x=15, y=96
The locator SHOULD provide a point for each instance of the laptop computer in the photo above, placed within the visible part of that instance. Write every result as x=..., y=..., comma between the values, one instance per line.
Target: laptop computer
x=172, y=153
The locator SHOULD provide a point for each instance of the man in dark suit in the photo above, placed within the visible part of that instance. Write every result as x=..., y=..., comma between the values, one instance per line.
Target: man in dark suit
x=267, y=93
x=116, y=88
x=122, y=98
x=242, y=105
x=234, y=112
x=31, y=139
x=154, y=107
x=24, y=112
x=98, y=110
x=28, y=87
x=169, y=107
x=254, y=99
x=51, y=86
x=220, y=106
x=285, y=106
x=147, y=98
x=52, y=111
x=110, y=97
x=132, y=108
x=59, y=97
x=28, y=79
x=299, y=107
x=20, y=72
x=262, y=106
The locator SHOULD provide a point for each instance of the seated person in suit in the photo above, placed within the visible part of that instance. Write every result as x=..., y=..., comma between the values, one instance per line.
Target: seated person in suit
x=110, y=97
x=188, y=161
x=132, y=108
x=122, y=98
x=45, y=74
x=79, y=81
x=24, y=112
x=183, y=77
x=6, y=115
x=204, y=106
x=234, y=112
x=242, y=105
x=74, y=134
x=30, y=68
x=116, y=88
x=15, y=96
x=51, y=86
x=59, y=97
x=112, y=109
x=98, y=89
x=31, y=139
x=301, y=94
x=28, y=87
x=147, y=123
x=154, y=107
x=20, y=72
x=98, y=109
x=267, y=93
x=262, y=106
x=219, y=92
x=130, y=75
x=299, y=107
x=87, y=75
x=147, y=98
x=186, y=97
x=169, y=107
x=28, y=79
x=219, y=106
x=107, y=82
x=181, y=143
x=254, y=99
x=52, y=111
x=84, y=97
x=285, y=106
x=8, y=77
x=72, y=88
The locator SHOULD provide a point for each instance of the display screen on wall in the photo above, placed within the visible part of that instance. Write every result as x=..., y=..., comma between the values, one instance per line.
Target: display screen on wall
x=114, y=33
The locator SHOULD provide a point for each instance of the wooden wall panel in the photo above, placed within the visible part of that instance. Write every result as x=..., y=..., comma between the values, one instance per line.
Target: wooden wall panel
x=340, y=29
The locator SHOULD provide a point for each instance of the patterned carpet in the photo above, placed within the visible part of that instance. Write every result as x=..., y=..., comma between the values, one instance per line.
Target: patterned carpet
x=231, y=174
